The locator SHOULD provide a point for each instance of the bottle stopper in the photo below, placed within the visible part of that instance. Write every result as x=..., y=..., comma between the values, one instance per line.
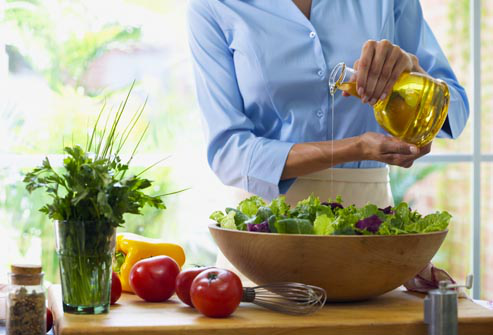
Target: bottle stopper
x=26, y=274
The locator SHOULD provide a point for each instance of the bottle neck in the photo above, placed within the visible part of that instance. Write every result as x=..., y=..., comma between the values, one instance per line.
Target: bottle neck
x=340, y=74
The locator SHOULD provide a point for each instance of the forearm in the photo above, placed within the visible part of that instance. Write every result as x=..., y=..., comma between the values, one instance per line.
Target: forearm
x=305, y=158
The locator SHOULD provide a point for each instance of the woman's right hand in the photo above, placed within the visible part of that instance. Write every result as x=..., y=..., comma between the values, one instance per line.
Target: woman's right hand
x=390, y=150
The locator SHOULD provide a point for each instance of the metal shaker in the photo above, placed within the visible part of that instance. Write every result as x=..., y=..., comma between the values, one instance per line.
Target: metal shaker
x=440, y=310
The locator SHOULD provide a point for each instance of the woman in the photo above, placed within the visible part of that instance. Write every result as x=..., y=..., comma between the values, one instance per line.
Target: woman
x=261, y=72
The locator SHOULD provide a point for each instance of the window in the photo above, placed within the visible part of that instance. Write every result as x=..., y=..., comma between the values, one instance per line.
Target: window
x=58, y=63
x=55, y=73
x=459, y=182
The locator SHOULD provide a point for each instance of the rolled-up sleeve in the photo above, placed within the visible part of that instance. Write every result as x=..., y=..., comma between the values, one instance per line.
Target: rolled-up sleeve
x=413, y=34
x=236, y=155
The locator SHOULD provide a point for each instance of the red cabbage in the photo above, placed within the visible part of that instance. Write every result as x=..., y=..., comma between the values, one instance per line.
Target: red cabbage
x=262, y=227
x=371, y=224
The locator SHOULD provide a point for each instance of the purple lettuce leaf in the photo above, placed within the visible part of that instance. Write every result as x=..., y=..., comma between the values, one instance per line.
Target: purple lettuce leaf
x=262, y=227
x=371, y=223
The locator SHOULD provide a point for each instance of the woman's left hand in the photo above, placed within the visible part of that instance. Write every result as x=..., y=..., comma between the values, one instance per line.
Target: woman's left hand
x=378, y=68
x=422, y=152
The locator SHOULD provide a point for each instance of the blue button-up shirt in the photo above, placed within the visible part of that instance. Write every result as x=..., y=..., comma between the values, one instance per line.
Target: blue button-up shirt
x=262, y=68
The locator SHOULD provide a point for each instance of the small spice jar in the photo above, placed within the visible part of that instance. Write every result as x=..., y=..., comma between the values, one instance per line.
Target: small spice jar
x=26, y=301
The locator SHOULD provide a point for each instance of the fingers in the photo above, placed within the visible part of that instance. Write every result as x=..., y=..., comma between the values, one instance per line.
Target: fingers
x=382, y=49
x=387, y=81
x=395, y=146
x=364, y=65
x=378, y=68
x=408, y=164
x=400, y=160
x=425, y=150
x=407, y=160
x=401, y=65
x=397, y=62
x=390, y=150
x=397, y=152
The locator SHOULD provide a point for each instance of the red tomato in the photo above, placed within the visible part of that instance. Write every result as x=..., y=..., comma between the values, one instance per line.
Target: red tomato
x=216, y=292
x=49, y=319
x=184, y=281
x=153, y=279
x=116, y=288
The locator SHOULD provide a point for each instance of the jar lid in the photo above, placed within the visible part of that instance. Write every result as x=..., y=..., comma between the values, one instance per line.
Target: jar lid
x=26, y=274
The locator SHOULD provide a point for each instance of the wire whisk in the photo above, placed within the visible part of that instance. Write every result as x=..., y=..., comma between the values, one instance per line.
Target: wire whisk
x=286, y=297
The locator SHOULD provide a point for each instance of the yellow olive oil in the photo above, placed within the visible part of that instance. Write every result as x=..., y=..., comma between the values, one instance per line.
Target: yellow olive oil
x=414, y=111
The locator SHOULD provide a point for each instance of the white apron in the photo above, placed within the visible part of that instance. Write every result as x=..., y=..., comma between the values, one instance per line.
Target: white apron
x=355, y=186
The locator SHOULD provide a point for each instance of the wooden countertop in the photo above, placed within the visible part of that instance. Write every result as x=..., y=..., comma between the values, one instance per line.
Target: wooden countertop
x=397, y=312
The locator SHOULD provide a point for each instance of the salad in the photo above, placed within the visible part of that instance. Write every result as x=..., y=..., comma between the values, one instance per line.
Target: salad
x=311, y=216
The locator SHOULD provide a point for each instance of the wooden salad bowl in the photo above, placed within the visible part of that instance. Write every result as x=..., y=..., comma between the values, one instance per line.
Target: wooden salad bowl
x=348, y=267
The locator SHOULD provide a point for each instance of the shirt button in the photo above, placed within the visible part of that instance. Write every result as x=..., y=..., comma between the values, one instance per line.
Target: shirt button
x=320, y=113
x=312, y=34
x=320, y=73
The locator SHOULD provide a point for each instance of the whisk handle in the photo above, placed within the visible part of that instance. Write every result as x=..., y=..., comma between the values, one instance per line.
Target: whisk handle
x=248, y=294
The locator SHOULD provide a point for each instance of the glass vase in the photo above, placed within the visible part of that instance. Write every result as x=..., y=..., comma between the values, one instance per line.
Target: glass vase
x=85, y=251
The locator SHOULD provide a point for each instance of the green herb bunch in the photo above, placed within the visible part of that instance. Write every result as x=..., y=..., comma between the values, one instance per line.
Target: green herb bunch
x=94, y=183
x=90, y=195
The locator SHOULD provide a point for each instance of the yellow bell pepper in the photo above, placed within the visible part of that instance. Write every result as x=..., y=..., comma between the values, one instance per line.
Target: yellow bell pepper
x=131, y=248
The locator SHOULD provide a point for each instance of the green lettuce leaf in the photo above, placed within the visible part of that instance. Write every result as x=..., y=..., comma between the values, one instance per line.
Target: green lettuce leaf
x=224, y=221
x=306, y=209
x=323, y=225
x=279, y=206
x=294, y=226
x=429, y=223
x=264, y=213
x=217, y=216
x=272, y=223
x=251, y=205
x=403, y=214
x=436, y=222
x=345, y=221
x=228, y=221
x=240, y=218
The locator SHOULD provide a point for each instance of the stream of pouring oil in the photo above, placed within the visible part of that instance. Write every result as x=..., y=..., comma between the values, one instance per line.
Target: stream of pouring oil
x=332, y=93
